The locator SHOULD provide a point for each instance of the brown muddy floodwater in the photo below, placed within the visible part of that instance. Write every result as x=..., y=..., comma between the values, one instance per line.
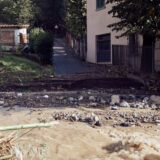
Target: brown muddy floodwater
x=79, y=141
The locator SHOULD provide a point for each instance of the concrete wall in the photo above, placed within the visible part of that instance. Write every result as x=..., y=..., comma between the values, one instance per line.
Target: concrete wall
x=97, y=22
x=17, y=35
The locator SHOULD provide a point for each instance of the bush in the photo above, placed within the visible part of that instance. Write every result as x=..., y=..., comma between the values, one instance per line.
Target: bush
x=41, y=43
x=43, y=46
x=33, y=36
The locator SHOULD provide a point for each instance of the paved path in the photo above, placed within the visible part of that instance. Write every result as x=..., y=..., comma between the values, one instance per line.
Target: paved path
x=65, y=63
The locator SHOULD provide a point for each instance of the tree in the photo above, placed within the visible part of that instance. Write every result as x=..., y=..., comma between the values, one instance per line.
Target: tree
x=76, y=17
x=6, y=14
x=15, y=11
x=49, y=13
x=138, y=17
x=37, y=13
x=23, y=11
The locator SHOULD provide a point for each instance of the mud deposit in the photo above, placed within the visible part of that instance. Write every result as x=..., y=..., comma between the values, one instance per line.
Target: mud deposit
x=79, y=141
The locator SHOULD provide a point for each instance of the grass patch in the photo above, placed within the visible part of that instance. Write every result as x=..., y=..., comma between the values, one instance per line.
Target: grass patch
x=15, y=69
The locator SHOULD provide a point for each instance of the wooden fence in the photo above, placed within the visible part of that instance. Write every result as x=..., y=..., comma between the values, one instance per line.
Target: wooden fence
x=78, y=46
x=130, y=56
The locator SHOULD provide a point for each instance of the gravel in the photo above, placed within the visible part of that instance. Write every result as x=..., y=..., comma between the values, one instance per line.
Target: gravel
x=142, y=108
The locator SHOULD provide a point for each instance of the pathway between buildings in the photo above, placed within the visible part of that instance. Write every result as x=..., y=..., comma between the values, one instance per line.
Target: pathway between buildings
x=65, y=63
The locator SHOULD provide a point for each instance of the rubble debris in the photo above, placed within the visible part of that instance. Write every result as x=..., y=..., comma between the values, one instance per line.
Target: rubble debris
x=27, y=126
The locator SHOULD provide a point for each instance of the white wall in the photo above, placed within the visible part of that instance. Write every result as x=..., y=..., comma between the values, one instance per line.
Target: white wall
x=17, y=34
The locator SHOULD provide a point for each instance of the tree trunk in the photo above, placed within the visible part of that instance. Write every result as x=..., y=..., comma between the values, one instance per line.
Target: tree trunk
x=147, y=60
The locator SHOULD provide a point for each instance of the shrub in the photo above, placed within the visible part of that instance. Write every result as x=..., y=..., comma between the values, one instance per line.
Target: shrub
x=32, y=37
x=43, y=46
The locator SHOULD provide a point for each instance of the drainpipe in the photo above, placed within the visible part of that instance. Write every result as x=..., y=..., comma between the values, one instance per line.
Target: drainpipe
x=153, y=58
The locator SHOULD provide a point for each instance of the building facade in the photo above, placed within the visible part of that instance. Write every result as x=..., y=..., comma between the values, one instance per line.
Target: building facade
x=99, y=37
x=102, y=45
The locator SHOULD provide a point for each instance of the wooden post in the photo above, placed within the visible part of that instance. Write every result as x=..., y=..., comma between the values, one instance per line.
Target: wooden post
x=0, y=44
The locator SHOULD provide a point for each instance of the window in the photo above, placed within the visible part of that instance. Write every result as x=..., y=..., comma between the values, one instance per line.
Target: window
x=100, y=4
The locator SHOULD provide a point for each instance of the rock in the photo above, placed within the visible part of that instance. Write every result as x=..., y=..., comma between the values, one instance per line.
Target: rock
x=98, y=124
x=131, y=97
x=135, y=115
x=145, y=100
x=90, y=120
x=61, y=98
x=140, y=106
x=103, y=101
x=123, y=115
x=133, y=105
x=115, y=99
x=74, y=117
x=71, y=99
x=82, y=118
x=89, y=92
x=125, y=104
x=81, y=98
x=1, y=102
x=144, y=120
x=125, y=124
x=93, y=105
x=146, y=106
x=95, y=118
x=157, y=121
x=46, y=96
x=158, y=107
x=114, y=108
x=19, y=94
x=138, y=124
x=92, y=98
x=153, y=106
x=155, y=99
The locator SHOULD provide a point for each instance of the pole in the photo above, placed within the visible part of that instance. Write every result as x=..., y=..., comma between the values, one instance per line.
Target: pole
x=153, y=58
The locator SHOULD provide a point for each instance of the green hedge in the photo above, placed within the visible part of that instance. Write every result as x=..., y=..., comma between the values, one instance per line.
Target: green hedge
x=32, y=37
x=42, y=44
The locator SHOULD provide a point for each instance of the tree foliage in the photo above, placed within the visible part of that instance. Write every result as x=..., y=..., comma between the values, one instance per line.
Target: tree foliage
x=76, y=17
x=40, y=13
x=138, y=17
x=16, y=11
x=49, y=13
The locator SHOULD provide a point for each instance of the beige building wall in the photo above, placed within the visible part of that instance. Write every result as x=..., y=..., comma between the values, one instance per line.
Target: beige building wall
x=97, y=22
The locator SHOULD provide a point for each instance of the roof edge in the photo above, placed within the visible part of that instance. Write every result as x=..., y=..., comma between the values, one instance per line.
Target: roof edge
x=18, y=26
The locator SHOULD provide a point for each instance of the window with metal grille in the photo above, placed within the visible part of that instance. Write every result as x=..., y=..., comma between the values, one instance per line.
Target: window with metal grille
x=103, y=48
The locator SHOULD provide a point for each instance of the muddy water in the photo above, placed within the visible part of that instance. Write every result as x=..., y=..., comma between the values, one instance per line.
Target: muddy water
x=132, y=144
x=78, y=141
